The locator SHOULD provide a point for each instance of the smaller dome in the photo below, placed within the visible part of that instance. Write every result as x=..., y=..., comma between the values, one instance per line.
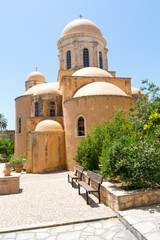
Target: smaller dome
x=99, y=88
x=48, y=88
x=31, y=90
x=42, y=88
x=136, y=91
x=81, y=26
x=36, y=76
x=91, y=72
x=48, y=125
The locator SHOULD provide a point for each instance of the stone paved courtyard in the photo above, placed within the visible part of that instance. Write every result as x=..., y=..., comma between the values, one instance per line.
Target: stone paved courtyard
x=47, y=207
x=47, y=199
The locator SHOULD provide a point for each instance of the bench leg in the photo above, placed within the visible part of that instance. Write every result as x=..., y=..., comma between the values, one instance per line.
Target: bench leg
x=87, y=197
x=68, y=178
x=79, y=189
x=72, y=182
x=99, y=196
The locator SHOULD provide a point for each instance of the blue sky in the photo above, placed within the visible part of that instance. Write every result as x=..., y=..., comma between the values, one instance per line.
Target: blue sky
x=30, y=29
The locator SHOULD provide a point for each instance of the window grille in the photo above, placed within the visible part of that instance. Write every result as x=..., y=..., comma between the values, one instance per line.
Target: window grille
x=81, y=128
x=85, y=57
x=68, y=56
x=52, y=109
x=100, y=60
x=36, y=109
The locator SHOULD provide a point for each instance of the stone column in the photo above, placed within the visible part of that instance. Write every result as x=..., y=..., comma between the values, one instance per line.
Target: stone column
x=105, y=59
x=75, y=66
x=95, y=55
x=61, y=60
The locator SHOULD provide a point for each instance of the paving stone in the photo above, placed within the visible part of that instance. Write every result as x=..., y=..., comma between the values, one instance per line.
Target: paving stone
x=51, y=237
x=10, y=235
x=96, y=224
x=125, y=234
x=42, y=235
x=89, y=229
x=145, y=227
x=93, y=238
x=69, y=235
x=80, y=226
x=152, y=235
x=25, y=235
x=108, y=235
x=99, y=231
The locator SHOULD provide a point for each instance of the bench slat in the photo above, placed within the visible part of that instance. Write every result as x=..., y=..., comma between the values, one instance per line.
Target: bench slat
x=86, y=186
x=79, y=168
x=95, y=177
x=72, y=175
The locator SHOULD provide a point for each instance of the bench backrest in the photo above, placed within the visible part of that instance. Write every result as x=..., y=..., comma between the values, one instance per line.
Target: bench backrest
x=79, y=169
x=94, y=177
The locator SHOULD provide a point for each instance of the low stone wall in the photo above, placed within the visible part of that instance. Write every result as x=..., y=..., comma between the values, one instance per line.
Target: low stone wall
x=9, y=184
x=119, y=199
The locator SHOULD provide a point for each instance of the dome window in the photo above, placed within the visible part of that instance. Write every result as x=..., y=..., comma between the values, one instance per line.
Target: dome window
x=100, y=60
x=81, y=126
x=85, y=57
x=52, y=109
x=68, y=58
x=19, y=125
x=36, y=109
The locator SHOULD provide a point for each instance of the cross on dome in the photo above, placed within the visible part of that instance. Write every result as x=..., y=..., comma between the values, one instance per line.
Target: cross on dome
x=80, y=16
x=36, y=69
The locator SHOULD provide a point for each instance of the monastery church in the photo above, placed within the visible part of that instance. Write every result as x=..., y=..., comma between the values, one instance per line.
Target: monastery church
x=52, y=118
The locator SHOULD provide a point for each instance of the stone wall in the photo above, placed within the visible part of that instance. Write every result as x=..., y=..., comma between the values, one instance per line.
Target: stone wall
x=45, y=151
x=93, y=109
x=23, y=110
x=119, y=199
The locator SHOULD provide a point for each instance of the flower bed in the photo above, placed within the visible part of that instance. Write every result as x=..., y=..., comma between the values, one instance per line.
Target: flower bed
x=120, y=199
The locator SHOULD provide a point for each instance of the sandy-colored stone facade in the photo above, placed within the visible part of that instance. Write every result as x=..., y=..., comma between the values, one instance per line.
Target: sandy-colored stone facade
x=52, y=118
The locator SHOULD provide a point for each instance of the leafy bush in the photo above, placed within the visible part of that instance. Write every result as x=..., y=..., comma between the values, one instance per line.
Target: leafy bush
x=90, y=148
x=6, y=146
x=15, y=160
x=136, y=161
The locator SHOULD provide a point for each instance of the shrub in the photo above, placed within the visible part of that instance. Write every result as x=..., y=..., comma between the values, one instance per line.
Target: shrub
x=135, y=160
x=15, y=160
x=6, y=146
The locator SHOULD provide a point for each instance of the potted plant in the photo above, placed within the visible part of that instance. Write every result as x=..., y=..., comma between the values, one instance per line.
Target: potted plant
x=17, y=162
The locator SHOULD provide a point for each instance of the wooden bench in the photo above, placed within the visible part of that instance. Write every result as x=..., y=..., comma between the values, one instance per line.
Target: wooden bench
x=75, y=176
x=91, y=177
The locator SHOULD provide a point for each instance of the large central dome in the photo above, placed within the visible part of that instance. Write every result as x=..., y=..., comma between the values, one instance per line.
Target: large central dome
x=81, y=26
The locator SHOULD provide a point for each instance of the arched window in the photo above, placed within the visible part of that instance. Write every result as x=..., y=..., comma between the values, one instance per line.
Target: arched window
x=81, y=127
x=100, y=60
x=85, y=57
x=19, y=125
x=68, y=58
x=36, y=109
x=52, y=109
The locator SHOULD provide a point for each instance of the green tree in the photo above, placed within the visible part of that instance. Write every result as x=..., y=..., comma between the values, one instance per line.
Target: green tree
x=6, y=146
x=3, y=122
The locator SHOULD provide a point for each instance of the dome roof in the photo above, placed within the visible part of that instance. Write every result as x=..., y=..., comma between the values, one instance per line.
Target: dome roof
x=99, y=88
x=81, y=26
x=48, y=125
x=34, y=76
x=44, y=88
x=91, y=72
x=136, y=91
